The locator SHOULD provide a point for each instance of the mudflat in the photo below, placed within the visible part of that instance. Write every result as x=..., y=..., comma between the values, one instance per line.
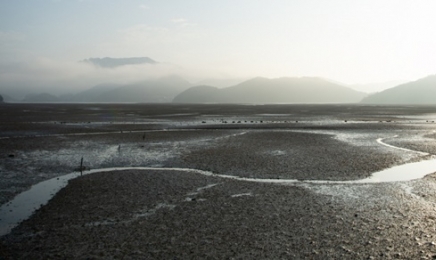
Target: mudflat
x=174, y=214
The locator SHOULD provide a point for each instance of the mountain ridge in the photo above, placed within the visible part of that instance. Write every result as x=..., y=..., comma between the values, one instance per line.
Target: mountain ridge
x=421, y=91
x=278, y=90
x=161, y=90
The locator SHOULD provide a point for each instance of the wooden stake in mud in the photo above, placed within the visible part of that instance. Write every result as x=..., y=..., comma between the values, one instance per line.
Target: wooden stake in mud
x=81, y=166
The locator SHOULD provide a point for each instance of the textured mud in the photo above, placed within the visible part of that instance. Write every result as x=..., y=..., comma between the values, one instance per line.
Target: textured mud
x=158, y=214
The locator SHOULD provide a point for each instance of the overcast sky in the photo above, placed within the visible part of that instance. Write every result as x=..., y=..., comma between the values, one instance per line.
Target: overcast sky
x=358, y=41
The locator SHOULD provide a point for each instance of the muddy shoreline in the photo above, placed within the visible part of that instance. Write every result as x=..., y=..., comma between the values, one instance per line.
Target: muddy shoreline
x=156, y=214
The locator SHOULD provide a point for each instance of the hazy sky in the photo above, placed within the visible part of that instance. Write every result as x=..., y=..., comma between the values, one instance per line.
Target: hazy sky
x=351, y=41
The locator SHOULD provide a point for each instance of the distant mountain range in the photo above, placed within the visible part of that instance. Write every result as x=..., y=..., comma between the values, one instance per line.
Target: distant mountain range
x=161, y=90
x=376, y=86
x=157, y=91
x=220, y=83
x=41, y=98
x=280, y=90
x=117, y=62
x=7, y=98
x=254, y=91
x=422, y=91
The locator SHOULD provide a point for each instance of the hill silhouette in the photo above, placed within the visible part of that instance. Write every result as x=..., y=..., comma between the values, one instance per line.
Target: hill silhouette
x=162, y=90
x=94, y=93
x=281, y=90
x=41, y=98
x=7, y=98
x=422, y=91
x=150, y=91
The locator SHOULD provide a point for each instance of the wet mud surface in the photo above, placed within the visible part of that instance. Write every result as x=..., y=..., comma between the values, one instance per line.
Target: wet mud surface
x=155, y=215
x=158, y=214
